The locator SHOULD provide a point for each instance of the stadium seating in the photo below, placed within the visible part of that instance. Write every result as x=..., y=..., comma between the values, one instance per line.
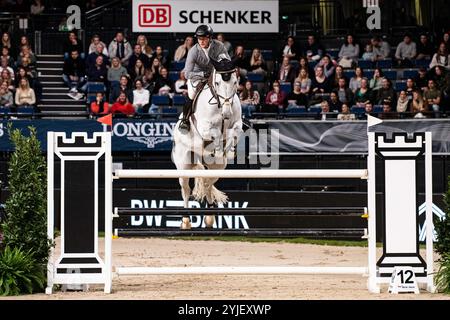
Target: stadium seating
x=160, y=100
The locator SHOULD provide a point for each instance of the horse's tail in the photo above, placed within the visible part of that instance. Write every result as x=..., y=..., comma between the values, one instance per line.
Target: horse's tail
x=204, y=189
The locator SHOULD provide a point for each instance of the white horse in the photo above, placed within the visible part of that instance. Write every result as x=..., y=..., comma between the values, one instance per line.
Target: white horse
x=216, y=126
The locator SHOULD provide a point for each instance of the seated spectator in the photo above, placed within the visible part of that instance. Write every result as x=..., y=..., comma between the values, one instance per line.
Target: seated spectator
x=240, y=80
x=381, y=48
x=402, y=102
x=181, y=85
x=344, y=93
x=93, y=45
x=249, y=99
x=32, y=80
x=145, y=47
x=355, y=82
x=163, y=85
x=406, y=52
x=241, y=61
x=296, y=97
x=304, y=80
x=313, y=50
x=5, y=76
x=73, y=44
x=441, y=58
x=320, y=83
x=257, y=63
x=419, y=106
x=363, y=95
x=121, y=48
x=6, y=96
x=410, y=88
x=276, y=98
x=386, y=92
x=338, y=74
x=369, y=54
x=182, y=50
x=4, y=66
x=438, y=74
x=376, y=83
x=227, y=44
x=349, y=53
x=446, y=40
x=155, y=68
x=116, y=71
x=334, y=103
x=6, y=55
x=421, y=79
x=290, y=50
x=161, y=56
x=149, y=80
x=433, y=97
x=6, y=41
x=74, y=72
x=137, y=55
x=304, y=64
x=24, y=41
x=122, y=105
x=26, y=53
x=25, y=96
x=138, y=71
x=387, y=110
x=100, y=106
x=98, y=72
x=325, y=109
x=425, y=49
x=141, y=97
x=92, y=57
x=286, y=72
x=345, y=114
x=124, y=86
x=328, y=66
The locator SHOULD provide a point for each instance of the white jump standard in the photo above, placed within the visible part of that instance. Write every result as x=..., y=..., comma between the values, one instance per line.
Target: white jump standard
x=397, y=158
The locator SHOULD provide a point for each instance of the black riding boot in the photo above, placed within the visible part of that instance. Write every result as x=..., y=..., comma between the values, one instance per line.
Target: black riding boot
x=185, y=125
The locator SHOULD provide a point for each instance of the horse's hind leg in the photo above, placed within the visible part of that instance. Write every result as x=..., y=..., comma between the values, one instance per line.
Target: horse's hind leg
x=186, y=193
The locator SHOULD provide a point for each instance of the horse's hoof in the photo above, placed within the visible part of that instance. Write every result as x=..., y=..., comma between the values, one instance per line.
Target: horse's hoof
x=209, y=221
x=185, y=224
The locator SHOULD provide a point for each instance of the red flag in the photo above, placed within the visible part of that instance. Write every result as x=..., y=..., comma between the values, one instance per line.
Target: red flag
x=106, y=120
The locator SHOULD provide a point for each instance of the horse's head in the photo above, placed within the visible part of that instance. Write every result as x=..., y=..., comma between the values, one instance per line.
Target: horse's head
x=225, y=83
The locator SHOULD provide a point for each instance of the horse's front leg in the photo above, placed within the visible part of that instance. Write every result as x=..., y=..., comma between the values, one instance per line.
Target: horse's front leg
x=186, y=193
x=232, y=139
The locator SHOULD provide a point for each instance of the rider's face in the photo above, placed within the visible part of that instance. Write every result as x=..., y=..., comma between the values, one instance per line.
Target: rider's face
x=203, y=42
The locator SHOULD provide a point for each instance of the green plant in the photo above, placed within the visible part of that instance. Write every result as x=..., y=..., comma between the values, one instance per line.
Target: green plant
x=442, y=228
x=26, y=207
x=20, y=272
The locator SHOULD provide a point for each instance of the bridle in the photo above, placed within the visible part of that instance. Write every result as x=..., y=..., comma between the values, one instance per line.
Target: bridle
x=216, y=95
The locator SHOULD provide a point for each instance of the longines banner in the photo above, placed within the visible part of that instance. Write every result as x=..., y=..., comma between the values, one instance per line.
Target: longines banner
x=294, y=136
x=223, y=16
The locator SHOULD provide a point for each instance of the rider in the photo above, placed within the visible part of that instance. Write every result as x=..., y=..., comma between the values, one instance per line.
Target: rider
x=198, y=66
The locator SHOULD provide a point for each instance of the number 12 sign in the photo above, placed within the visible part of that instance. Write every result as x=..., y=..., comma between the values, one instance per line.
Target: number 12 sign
x=403, y=280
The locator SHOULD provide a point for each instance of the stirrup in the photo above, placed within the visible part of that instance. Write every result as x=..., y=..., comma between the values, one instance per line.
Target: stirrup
x=185, y=126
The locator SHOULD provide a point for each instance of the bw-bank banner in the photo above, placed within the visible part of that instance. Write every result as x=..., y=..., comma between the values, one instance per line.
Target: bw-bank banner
x=222, y=16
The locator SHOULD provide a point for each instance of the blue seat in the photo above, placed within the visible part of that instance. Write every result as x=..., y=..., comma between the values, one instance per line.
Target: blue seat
x=255, y=77
x=26, y=110
x=333, y=52
x=410, y=74
x=312, y=64
x=368, y=74
x=400, y=86
x=95, y=87
x=174, y=75
x=357, y=110
x=390, y=74
x=422, y=63
x=314, y=109
x=349, y=74
x=384, y=64
x=267, y=55
x=365, y=64
x=160, y=100
x=177, y=66
x=5, y=110
x=286, y=87
x=378, y=109
x=299, y=109
x=90, y=99
x=178, y=100
x=169, y=112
